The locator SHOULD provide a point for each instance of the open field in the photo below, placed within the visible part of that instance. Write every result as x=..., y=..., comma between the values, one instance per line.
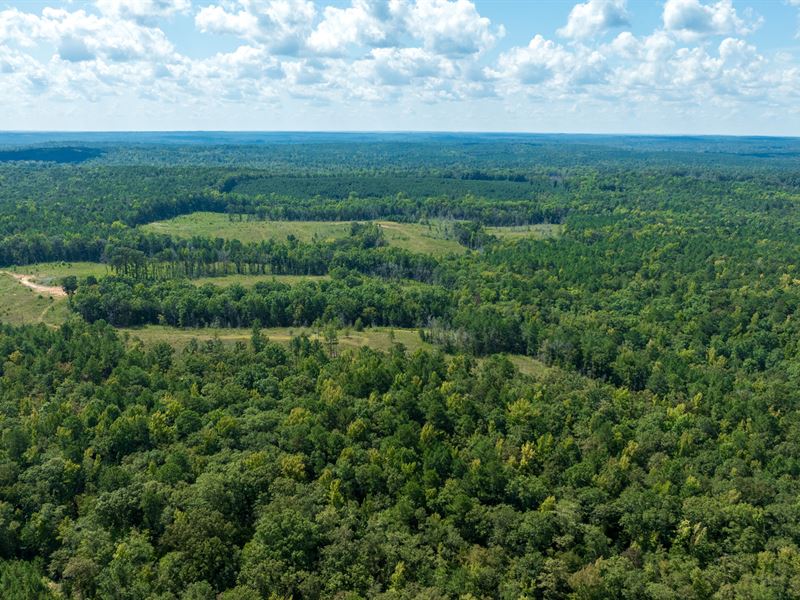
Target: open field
x=379, y=338
x=249, y=280
x=417, y=237
x=536, y=232
x=50, y=272
x=430, y=239
x=528, y=365
x=21, y=305
x=218, y=225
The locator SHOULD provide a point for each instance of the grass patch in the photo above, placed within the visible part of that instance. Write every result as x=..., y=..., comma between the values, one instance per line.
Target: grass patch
x=218, y=225
x=429, y=238
x=50, y=273
x=416, y=237
x=20, y=305
x=539, y=231
x=249, y=280
x=529, y=366
x=378, y=338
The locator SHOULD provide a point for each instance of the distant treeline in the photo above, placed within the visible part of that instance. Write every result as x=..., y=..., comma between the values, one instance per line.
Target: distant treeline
x=55, y=154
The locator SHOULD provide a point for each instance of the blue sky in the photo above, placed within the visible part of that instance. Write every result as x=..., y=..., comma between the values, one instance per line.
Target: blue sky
x=606, y=66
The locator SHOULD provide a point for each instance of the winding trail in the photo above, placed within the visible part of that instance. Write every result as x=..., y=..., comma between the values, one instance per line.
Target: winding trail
x=27, y=281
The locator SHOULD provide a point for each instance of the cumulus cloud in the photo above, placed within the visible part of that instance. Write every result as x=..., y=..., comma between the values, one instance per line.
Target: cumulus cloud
x=80, y=36
x=143, y=11
x=281, y=25
x=446, y=27
x=452, y=27
x=365, y=22
x=545, y=66
x=401, y=66
x=690, y=19
x=595, y=16
x=386, y=52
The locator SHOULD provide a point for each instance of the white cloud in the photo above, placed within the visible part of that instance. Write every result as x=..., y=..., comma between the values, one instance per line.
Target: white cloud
x=594, y=16
x=365, y=22
x=539, y=61
x=401, y=66
x=690, y=19
x=448, y=27
x=545, y=65
x=80, y=36
x=382, y=54
x=452, y=28
x=143, y=11
x=216, y=19
x=281, y=25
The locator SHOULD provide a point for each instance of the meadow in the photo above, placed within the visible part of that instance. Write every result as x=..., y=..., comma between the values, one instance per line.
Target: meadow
x=50, y=273
x=378, y=338
x=434, y=237
x=536, y=231
x=20, y=305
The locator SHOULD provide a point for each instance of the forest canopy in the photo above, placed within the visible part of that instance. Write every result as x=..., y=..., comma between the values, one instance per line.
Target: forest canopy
x=649, y=450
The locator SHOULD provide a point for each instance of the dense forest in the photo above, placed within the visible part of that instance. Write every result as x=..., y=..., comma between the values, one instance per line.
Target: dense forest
x=653, y=453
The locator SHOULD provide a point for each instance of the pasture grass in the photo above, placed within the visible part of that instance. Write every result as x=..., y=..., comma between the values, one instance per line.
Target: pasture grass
x=50, y=273
x=425, y=238
x=378, y=338
x=540, y=231
x=20, y=305
x=249, y=280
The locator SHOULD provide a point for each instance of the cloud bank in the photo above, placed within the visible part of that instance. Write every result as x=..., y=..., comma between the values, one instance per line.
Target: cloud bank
x=392, y=57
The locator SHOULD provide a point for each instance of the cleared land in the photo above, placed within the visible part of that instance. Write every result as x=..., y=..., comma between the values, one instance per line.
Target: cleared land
x=417, y=237
x=20, y=304
x=29, y=282
x=218, y=225
x=50, y=273
x=430, y=239
x=540, y=231
x=249, y=280
x=379, y=338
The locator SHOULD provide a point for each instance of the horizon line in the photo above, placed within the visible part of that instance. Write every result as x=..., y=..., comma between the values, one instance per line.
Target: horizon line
x=393, y=132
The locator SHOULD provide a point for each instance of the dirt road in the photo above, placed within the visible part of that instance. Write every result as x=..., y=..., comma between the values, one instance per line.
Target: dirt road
x=27, y=281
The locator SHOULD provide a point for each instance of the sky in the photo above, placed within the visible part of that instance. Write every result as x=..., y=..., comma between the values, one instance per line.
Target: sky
x=600, y=66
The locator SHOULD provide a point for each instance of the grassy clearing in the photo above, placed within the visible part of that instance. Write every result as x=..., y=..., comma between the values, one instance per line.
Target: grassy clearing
x=50, y=273
x=424, y=238
x=378, y=338
x=540, y=231
x=529, y=366
x=218, y=225
x=429, y=239
x=20, y=305
x=249, y=280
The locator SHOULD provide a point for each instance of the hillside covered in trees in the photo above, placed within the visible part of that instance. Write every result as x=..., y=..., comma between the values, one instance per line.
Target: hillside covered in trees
x=653, y=451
